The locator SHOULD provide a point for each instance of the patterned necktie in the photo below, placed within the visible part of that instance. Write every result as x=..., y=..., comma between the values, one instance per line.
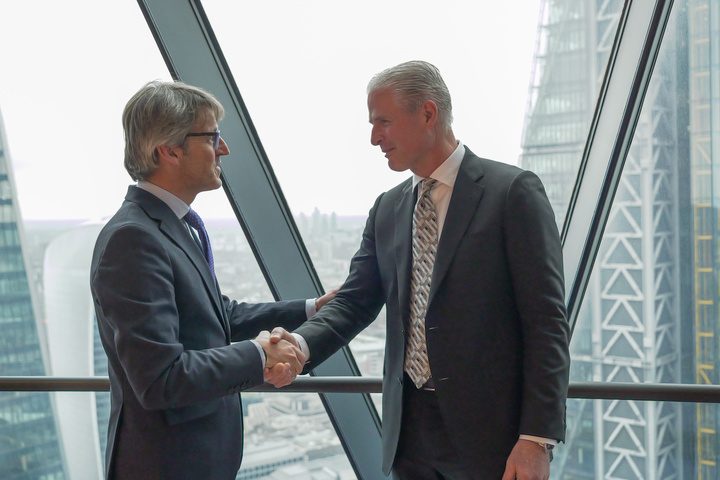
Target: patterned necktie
x=194, y=220
x=424, y=248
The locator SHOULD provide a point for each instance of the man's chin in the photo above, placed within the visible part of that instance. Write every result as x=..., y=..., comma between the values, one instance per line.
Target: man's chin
x=214, y=186
x=396, y=168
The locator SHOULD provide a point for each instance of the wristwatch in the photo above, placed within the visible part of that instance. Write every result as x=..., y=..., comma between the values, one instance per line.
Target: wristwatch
x=547, y=448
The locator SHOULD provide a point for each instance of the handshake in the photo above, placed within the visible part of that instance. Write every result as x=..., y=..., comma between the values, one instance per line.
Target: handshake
x=284, y=358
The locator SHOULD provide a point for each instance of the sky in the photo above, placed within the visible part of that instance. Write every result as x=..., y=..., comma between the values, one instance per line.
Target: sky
x=301, y=67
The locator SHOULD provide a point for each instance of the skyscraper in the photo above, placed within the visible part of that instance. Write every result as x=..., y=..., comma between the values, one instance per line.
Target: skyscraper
x=703, y=71
x=630, y=324
x=75, y=349
x=29, y=444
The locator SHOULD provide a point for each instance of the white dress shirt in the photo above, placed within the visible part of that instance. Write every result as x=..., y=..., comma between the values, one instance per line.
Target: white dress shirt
x=445, y=174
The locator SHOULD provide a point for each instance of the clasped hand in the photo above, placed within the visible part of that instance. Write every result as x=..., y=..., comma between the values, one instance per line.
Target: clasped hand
x=285, y=360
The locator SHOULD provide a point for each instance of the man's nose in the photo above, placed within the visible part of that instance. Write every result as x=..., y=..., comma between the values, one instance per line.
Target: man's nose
x=375, y=138
x=223, y=148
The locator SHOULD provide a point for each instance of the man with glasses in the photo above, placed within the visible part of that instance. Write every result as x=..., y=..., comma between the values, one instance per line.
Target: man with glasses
x=215, y=135
x=179, y=351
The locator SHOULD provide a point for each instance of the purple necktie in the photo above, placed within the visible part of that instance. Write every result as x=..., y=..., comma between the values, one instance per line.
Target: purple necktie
x=194, y=220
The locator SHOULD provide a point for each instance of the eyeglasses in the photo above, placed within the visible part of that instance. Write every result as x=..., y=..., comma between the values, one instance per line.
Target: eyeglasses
x=215, y=134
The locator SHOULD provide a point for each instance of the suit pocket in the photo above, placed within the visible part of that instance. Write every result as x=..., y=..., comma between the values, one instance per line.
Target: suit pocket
x=175, y=416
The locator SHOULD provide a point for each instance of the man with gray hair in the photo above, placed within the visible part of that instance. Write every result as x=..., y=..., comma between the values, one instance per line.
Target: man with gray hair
x=466, y=257
x=179, y=351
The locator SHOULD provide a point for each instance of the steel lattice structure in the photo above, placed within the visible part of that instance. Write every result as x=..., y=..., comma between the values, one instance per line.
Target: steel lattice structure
x=629, y=327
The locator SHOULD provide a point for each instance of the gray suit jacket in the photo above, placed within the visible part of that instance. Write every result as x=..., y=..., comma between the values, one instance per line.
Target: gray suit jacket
x=167, y=330
x=497, y=333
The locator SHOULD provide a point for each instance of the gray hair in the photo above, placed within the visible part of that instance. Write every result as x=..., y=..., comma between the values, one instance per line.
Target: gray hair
x=162, y=113
x=415, y=82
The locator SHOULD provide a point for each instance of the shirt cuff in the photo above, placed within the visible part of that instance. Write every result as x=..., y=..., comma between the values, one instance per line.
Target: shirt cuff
x=310, y=307
x=535, y=439
x=303, y=346
x=261, y=352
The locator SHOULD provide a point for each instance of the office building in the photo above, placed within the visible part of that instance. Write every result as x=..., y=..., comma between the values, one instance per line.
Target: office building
x=30, y=447
x=73, y=349
x=652, y=299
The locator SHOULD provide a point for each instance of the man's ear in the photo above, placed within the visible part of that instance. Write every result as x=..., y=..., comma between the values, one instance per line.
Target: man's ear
x=167, y=153
x=430, y=112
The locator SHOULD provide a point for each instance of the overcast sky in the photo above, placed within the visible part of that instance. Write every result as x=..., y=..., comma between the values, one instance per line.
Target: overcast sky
x=302, y=67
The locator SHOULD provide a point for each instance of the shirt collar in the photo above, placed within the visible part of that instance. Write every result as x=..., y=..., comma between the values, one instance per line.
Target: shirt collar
x=178, y=207
x=447, y=172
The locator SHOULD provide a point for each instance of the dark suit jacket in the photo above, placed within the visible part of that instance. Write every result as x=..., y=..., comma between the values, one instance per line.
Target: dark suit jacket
x=497, y=333
x=167, y=331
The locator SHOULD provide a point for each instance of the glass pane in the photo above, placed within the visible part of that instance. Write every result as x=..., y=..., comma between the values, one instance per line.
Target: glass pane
x=574, y=40
x=68, y=69
x=61, y=177
x=303, y=67
x=650, y=311
x=603, y=453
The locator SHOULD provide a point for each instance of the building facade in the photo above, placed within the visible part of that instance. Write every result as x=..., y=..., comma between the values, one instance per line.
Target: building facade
x=75, y=349
x=649, y=314
x=30, y=447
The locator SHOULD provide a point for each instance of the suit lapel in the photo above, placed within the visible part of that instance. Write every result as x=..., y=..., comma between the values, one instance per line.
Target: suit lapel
x=465, y=199
x=403, y=245
x=178, y=233
x=175, y=230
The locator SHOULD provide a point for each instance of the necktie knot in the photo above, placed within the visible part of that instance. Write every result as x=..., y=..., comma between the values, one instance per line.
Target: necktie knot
x=427, y=185
x=194, y=220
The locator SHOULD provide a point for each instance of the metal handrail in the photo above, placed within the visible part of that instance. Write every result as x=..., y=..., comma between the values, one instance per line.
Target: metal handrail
x=588, y=390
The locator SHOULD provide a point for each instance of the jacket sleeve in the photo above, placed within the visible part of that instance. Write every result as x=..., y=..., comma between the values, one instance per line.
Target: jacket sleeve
x=534, y=256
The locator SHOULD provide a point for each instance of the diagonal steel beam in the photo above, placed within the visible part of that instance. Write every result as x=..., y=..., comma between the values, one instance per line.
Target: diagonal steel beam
x=632, y=58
